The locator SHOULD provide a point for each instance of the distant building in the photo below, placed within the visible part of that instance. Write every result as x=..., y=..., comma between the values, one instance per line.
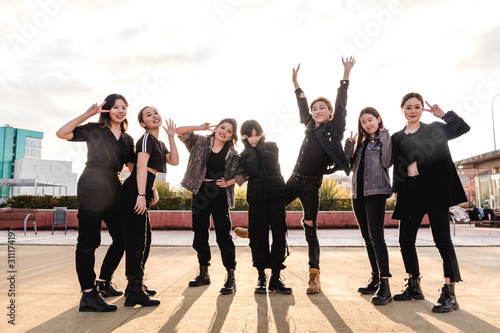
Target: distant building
x=487, y=178
x=22, y=171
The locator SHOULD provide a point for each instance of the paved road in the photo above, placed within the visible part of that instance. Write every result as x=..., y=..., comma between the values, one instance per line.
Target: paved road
x=47, y=294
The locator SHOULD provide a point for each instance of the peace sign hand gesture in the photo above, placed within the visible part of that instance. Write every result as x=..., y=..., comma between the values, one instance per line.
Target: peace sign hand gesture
x=95, y=109
x=435, y=110
x=352, y=138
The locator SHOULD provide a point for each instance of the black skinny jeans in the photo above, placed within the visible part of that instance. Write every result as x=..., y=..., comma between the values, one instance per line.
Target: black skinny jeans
x=98, y=190
x=261, y=215
x=370, y=214
x=440, y=227
x=137, y=228
x=307, y=190
x=212, y=200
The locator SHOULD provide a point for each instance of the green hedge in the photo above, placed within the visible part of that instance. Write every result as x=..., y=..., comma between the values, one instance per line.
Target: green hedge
x=42, y=202
x=171, y=203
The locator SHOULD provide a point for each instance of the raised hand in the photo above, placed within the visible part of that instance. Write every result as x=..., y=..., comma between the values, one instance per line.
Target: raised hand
x=171, y=127
x=352, y=138
x=435, y=110
x=348, y=62
x=294, y=77
x=95, y=109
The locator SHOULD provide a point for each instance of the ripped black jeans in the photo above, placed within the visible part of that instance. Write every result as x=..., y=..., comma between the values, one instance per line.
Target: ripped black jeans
x=306, y=188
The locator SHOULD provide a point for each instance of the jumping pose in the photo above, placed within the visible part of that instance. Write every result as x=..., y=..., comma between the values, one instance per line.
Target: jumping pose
x=370, y=188
x=138, y=193
x=266, y=206
x=211, y=174
x=321, y=153
x=426, y=182
x=109, y=148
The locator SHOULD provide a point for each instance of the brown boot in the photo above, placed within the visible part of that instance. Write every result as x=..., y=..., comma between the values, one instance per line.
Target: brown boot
x=241, y=232
x=313, y=286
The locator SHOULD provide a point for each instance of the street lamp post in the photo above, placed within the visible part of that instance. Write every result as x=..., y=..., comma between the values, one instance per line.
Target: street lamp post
x=493, y=121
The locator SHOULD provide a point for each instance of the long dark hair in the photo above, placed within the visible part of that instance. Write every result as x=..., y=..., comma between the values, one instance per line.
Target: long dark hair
x=362, y=135
x=105, y=118
x=232, y=121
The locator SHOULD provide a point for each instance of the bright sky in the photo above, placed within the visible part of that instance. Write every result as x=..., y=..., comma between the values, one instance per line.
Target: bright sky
x=201, y=61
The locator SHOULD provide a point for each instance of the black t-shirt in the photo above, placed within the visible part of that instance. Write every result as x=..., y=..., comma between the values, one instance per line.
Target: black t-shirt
x=315, y=159
x=409, y=147
x=102, y=146
x=156, y=150
x=360, y=177
x=216, y=164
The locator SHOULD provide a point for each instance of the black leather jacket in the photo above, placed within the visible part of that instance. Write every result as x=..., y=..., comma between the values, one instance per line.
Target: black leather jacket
x=330, y=133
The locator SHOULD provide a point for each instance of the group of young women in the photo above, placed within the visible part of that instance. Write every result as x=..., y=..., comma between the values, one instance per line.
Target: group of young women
x=424, y=180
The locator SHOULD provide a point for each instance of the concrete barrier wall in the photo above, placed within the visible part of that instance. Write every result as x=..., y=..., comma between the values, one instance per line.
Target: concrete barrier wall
x=167, y=219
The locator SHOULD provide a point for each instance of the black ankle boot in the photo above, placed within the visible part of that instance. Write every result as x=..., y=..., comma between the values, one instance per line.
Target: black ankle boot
x=372, y=286
x=230, y=284
x=412, y=291
x=275, y=284
x=93, y=302
x=137, y=295
x=150, y=292
x=261, y=283
x=447, y=302
x=107, y=289
x=202, y=278
x=383, y=294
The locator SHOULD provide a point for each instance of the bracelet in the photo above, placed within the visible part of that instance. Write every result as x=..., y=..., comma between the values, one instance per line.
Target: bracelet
x=141, y=195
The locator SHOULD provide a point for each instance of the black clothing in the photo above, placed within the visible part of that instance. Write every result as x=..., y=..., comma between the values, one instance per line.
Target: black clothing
x=315, y=160
x=361, y=169
x=262, y=166
x=156, y=149
x=216, y=163
x=440, y=227
x=102, y=146
x=437, y=172
x=432, y=192
x=212, y=199
x=97, y=193
x=307, y=190
x=329, y=134
x=137, y=228
x=370, y=214
x=266, y=200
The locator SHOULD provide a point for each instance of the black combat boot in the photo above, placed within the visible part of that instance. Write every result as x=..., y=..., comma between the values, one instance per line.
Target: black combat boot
x=107, y=289
x=372, y=286
x=412, y=290
x=383, y=294
x=261, y=287
x=137, y=295
x=93, y=302
x=202, y=278
x=447, y=302
x=275, y=284
x=230, y=284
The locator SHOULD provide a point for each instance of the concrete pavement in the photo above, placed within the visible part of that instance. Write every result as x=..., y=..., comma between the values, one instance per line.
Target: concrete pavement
x=46, y=288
